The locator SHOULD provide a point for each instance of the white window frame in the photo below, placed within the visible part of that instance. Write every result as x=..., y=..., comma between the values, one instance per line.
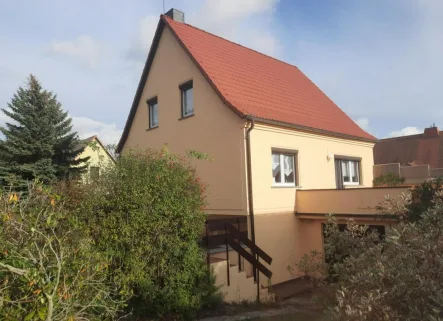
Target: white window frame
x=294, y=160
x=351, y=172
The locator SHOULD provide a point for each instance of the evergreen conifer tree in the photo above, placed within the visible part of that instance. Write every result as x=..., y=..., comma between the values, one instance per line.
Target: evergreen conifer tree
x=39, y=142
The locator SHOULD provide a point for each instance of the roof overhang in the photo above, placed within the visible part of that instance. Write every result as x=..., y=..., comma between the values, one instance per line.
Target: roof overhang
x=308, y=129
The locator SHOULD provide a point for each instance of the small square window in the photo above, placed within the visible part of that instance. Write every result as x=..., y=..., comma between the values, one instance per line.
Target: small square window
x=153, y=113
x=187, y=99
x=283, y=169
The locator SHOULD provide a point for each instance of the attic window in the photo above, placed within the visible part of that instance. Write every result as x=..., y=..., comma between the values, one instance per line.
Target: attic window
x=153, y=112
x=187, y=99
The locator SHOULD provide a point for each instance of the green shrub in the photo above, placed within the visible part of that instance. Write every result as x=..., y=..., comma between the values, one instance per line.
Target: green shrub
x=49, y=269
x=397, y=279
x=146, y=213
x=389, y=179
x=423, y=198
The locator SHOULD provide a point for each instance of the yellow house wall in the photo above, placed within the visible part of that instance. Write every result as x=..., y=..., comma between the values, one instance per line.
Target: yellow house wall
x=98, y=157
x=278, y=231
x=314, y=170
x=214, y=129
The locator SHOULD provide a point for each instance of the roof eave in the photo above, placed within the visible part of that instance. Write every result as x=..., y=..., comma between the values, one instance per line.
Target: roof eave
x=141, y=84
x=309, y=129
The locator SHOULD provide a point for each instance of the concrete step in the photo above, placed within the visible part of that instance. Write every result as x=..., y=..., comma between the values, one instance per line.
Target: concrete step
x=242, y=287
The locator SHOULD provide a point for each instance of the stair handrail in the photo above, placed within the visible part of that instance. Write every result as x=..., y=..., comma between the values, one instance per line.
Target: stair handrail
x=236, y=246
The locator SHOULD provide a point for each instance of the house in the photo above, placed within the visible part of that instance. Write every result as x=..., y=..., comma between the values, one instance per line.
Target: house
x=284, y=154
x=416, y=158
x=99, y=157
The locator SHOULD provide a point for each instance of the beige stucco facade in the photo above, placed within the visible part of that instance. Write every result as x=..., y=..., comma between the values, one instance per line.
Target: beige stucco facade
x=214, y=129
x=314, y=169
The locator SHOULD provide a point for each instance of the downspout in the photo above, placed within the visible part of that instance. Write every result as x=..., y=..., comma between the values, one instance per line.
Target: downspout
x=250, y=195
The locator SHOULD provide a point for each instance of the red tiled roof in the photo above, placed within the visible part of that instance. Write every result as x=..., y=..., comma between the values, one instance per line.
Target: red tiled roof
x=253, y=84
x=258, y=85
x=414, y=149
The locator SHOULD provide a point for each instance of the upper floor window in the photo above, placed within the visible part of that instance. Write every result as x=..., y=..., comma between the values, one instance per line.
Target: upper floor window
x=153, y=112
x=283, y=169
x=347, y=172
x=187, y=99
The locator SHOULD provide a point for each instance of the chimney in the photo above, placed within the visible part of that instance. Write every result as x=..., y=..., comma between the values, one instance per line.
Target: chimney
x=431, y=132
x=176, y=15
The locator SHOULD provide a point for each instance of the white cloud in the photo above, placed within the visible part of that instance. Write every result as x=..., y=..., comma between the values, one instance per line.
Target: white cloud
x=234, y=9
x=87, y=127
x=247, y=22
x=139, y=48
x=363, y=123
x=405, y=132
x=264, y=42
x=85, y=49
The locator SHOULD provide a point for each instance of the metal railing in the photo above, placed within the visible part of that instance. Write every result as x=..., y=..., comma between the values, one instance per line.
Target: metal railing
x=234, y=236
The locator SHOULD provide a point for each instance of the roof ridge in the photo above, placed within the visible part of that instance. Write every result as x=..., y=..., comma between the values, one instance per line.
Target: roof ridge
x=230, y=41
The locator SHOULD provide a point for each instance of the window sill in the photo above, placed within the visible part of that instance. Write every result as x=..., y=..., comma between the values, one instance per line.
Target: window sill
x=287, y=186
x=351, y=185
x=187, y=116
x=151, y=128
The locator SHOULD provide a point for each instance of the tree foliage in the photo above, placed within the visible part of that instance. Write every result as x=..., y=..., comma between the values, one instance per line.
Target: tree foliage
x=39, y=141
x=146, y=213
x=49, y=269
x=422, y=198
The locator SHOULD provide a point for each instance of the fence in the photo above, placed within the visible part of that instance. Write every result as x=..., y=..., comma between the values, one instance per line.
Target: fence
x=412, y=174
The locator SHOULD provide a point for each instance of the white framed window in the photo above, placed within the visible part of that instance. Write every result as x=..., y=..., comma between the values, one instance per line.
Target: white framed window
x=283, y=169
x=187, y=98
x=350, y=171
x=153, y=113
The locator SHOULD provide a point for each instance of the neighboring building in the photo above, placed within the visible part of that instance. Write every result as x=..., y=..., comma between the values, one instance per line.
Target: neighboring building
x=99, y=157
x=415, y=158
x=275, y=137
x=412, y=150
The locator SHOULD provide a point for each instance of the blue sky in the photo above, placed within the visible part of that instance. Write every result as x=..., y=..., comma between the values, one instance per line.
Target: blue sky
x=379, y=60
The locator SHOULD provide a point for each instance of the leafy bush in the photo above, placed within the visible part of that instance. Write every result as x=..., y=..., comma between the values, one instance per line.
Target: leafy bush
x=49, y=269
x=398, y=278
x=422, y=198
x=389, y=179
x=146, y=213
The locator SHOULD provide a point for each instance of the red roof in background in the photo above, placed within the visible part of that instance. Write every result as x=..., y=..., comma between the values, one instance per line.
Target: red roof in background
x=260, y=86
x=421, y=149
